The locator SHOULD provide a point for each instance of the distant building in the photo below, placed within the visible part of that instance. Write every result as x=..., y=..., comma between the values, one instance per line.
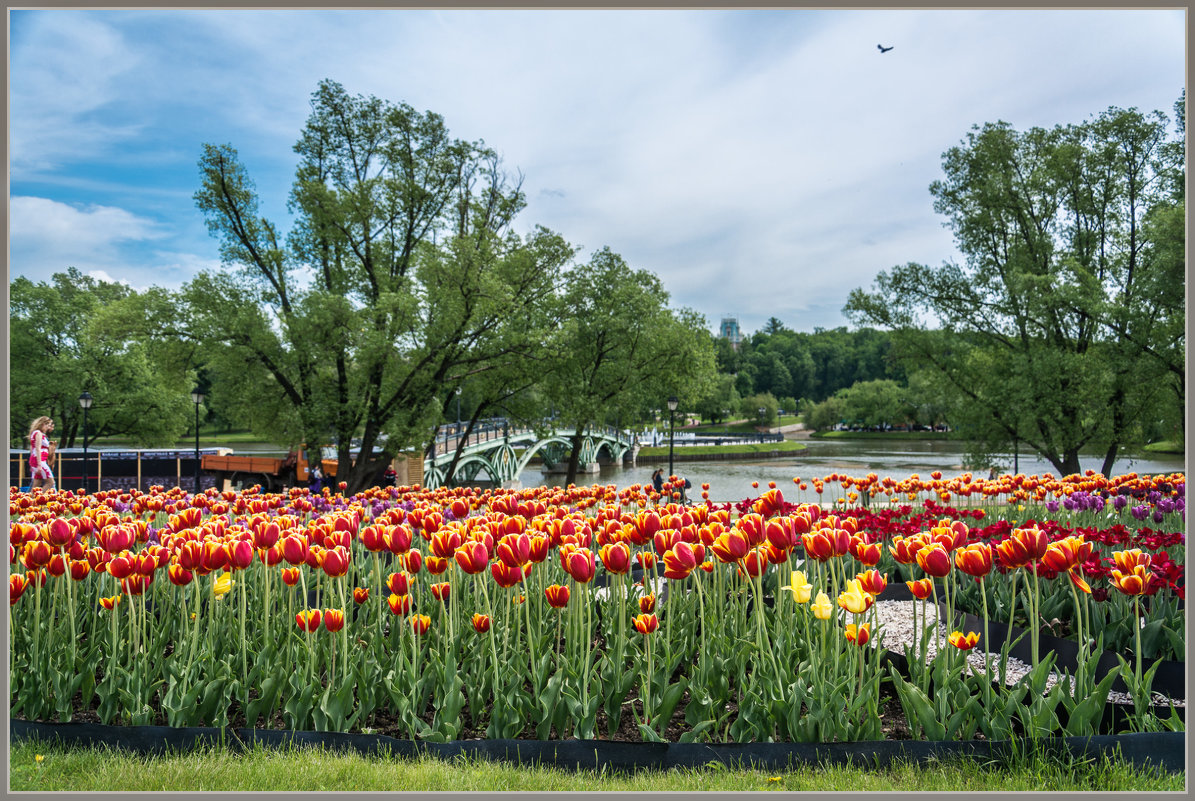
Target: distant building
x=730, y=331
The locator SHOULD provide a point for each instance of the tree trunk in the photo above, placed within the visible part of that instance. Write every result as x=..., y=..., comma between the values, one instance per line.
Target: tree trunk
x=574, y=457
x=462, y=440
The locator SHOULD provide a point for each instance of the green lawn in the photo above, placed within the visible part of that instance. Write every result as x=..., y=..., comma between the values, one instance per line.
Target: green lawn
x=890, y=435
x=260, y=769
x=1166, y=446
x=747, y=449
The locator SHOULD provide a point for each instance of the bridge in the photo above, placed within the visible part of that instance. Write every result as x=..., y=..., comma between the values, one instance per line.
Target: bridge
x=502, y=453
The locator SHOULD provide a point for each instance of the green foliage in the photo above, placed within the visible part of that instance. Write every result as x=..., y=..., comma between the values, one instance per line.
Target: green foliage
x=78, y=333
x=750, y=407
x=1061, y=330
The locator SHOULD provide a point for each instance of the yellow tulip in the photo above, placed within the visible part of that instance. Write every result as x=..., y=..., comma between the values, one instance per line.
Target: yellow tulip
x=821, y=606
x=222, y=585
x=854, y=600
x=800, y=587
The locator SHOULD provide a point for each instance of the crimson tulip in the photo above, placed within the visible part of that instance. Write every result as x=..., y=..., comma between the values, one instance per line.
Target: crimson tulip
x=557, y=596
x=333, y=620
x=399, y=604
x=481, y=623
x=308, y=620
x=646, y=623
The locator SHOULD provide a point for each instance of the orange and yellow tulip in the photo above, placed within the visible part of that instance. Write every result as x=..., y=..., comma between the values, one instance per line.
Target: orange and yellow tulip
x=964, y=642
x=333, y=619
x=859, y=635
x=921, y=588
x=308, y=620
x=399, y=604
x=934, y=560
x=420, y=623
x=974, y=559
x=646, y=623
x=854, y=599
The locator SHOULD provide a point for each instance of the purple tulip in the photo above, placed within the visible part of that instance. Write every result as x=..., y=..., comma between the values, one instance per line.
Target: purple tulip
x=1052, y=506
x=1120, y=502
x=1139, y=512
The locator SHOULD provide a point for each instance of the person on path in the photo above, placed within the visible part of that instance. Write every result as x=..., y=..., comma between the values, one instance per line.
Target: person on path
x=41, y=454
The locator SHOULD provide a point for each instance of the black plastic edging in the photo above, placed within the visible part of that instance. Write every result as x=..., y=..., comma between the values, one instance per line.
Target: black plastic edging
x=1164, y=750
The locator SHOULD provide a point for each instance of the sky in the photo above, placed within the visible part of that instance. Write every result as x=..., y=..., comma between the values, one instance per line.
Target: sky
x=762, y=163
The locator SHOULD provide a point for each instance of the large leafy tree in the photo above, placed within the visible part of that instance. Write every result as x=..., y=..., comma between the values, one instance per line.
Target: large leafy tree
x=621, y=349
x=74, y=334
x=1057, y=327
x=392, y=285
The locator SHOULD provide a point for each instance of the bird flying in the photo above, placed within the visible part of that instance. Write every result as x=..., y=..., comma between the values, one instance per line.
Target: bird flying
x=884, y=49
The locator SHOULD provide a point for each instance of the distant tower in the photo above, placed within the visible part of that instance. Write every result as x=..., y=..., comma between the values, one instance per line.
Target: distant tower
x=730, y=331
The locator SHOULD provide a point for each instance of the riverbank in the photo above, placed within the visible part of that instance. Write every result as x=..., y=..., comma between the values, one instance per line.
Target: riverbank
x=885, y=435
x=693, y=453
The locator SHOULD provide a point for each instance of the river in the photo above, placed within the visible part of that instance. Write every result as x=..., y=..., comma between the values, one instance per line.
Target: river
x=731, y=480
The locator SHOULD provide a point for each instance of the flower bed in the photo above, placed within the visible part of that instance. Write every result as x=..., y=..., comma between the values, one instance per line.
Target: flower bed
x=436, y=615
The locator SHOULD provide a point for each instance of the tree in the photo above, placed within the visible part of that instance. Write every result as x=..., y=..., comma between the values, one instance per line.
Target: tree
x=721, y=399
x=621, y=349
x=875, y=403
x=1052, y=224
x=391, y=286
x=73, y=335
x=752, y=405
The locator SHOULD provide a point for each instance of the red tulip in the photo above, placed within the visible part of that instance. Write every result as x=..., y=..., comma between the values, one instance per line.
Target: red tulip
x=557, y=596
x=57, y=565
x=420, y=623
x=441, y=590
x=36, y=554
x=398, y=539
x=730, y=546
x=922, y=588
x=934, y=560
x=974, y=559
x=59, y=533
x=413, y=561
x=866, y=553
x=308, y=620
x=399, y=604
x=294, y=549
x=336, y=561
x=647, y=603
x=398, y=583
x=121, y=566
x=616, y=558
x=646, y=624
x=436, y=565
x=333, y=619
x=964, y=642
x=239, y=554
x=872, y=582
x=178, y=575
x=580, y=565
x=505, y=575
x=79, y=569
x=290, y=576
x=859, y=635
x=360, y=595
x=17, y=584
x=473, y=557
x=266, y=536
x=481, y=623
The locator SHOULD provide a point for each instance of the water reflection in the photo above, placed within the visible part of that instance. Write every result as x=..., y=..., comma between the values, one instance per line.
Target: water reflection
x=731, y=480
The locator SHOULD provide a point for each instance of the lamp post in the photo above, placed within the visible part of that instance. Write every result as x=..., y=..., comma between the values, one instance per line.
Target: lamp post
x=458, y=410
x=85, y=403
x=672, y=404
x=197, y=396
x=762, y=420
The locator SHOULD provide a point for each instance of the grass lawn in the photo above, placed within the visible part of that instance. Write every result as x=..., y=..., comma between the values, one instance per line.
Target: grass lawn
x=1166, y=446
x=44, y=767
x=891, y=435
x=208, y=438
x=748, y=449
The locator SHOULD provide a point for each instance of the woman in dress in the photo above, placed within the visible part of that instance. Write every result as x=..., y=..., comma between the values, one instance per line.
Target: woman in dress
x=41, y=451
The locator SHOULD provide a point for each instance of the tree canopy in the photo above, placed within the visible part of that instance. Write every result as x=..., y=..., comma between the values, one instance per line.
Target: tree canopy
x=1060, y=329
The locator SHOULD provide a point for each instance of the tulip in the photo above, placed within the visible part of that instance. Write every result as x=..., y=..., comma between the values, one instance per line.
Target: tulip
x=420, y=623
x=866, y=553
x=398, y=583
x=646, y=624
x=822, y=609
x=800, y=587
x=647, y=603
x=179, y=575
x=730, y=546
x=481, y=623
x=294, y=549
x=440, y=591
x=1133, y=582
x=308, y=620
x=37, y=554
x=921, y=589
x=473, y=557
x=557, y=596
x=505, y=575
x=17, y=584
x=616, y=558
x=222, y=585
x=413, y=561
x=360, y=595
x=646, y=559
x=336, y=561
x=59, y=533
x=79, y=569
x=57, y=565
x=854, y=599
x=859, y=635
x=964, y=642
x=934, y=560
x=872, y=583
x=437, y=565
x=110, y=603
x=239, y=554
x=1125, y=561
x=290, y=576
x=974, y=559
x=121, y=566
x=399, y=604
x=398, y=539
x=333, y=620
x=580, y=565
x=904, y=549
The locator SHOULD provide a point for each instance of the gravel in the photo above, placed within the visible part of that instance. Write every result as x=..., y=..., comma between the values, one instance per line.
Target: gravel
x=895, y=630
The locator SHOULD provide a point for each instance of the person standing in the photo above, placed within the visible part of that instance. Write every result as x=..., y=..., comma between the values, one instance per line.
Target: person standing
x=41, y=454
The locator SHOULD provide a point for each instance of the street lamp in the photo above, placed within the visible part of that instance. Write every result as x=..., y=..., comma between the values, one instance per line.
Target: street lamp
x=197, y=396
x=458, y=411
x=762, y=420
x=672, y=404
x=85, y=403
